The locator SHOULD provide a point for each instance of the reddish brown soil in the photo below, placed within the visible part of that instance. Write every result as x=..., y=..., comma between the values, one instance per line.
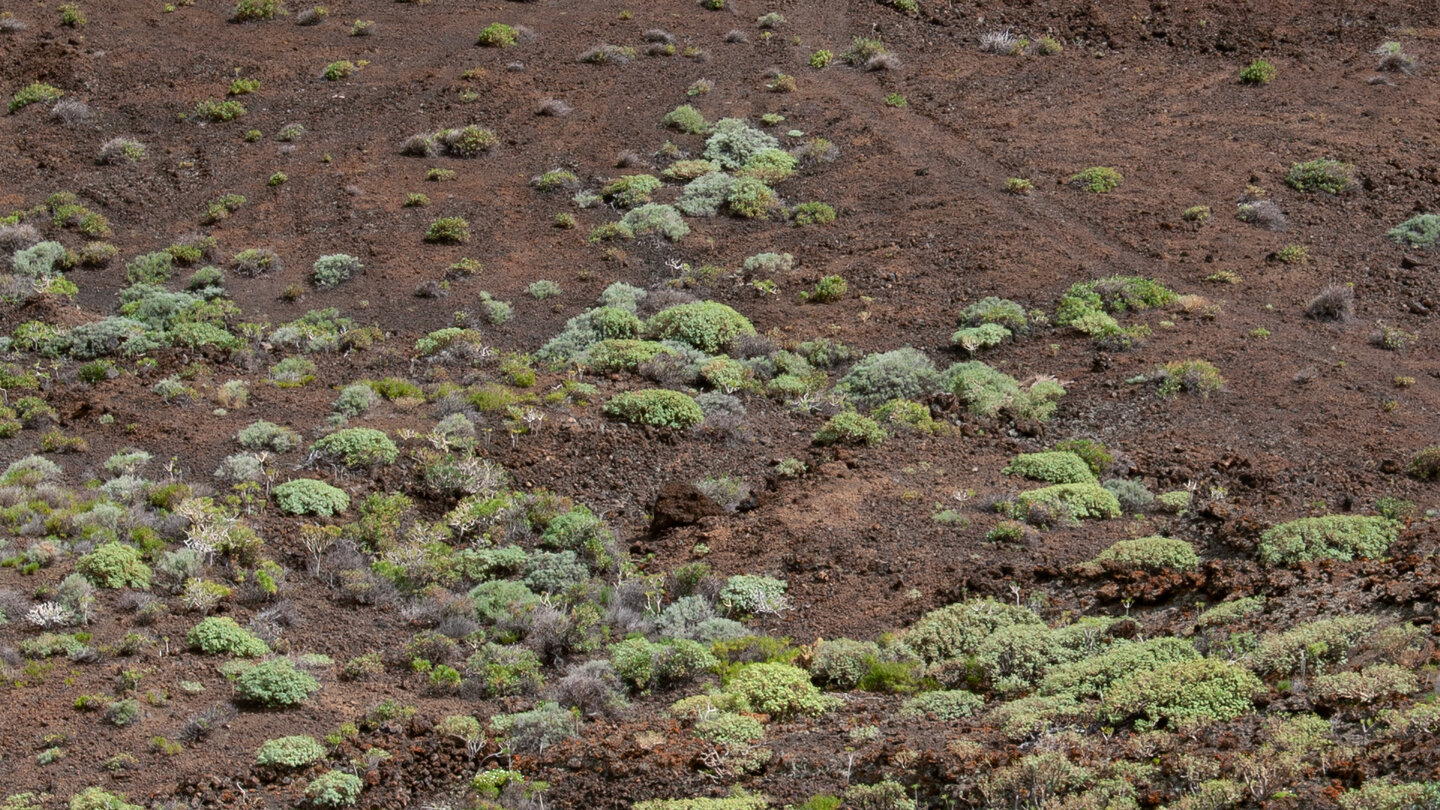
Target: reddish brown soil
x=924, y=228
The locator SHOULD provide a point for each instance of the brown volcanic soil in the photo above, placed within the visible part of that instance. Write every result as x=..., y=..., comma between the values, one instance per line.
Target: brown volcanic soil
x=924, y=228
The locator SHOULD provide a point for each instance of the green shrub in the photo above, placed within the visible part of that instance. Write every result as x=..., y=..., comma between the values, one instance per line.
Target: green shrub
x=334, y=789
x=644, y=665
x=945, y=706
x=357, y=447
x=1151, y=554
x=1054, y=467
x=505, y=671
x=750, y=198
x=752, y=594
x=733, y=142
x=532, y=732
x=334, y=270
x=984, y=336
x=1187, y=376
x=688, y=170
x=496, y=35
x=1113, y=295
x=219, y=111
x=449, y=231
x=115, y=565
x=862, y=50
x=1373, y=683
x=1383, y=794
x=686, y=119
x=1334, y=537
x=850, y=427
x=292, y=372
x=738, y=799
x=1321, y=642
x=308, y=496
x=300, y=751
x=262, y=435
x=247, y=10
x=94, y=798
x=707, y=325
x=1258, y=72
x=841, y=663
x=769, y=166
x=621, y=355
x=957, y=630
x=1425, y=464
x=827, y=289
x=1078, y=501
x=220, y=635
x=631, y=190
x=34, y=93
x=899, y=374
x=1095, y=454
x=988, y=392
x=779, y=690
x=812, y=213
x=1098, y=179
x=1093, y=676
x=1202, y=688
x=1230, y=612
x=656, y=218
x=886, y=795
x=1420, y=231
x=1325, y=175
x=41, y=260
x=908, y=414
x=656, y=406
x=276, y=684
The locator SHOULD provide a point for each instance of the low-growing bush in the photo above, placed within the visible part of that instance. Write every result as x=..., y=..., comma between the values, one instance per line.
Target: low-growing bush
x=1098, y=179
x=276, y=684
x=115, y=565
x=300, y=751
x=333, y=270
x=656, y=218
x=1326, y=175
x=308, y=496
x=357, y=448
x=1258, y=72
x=707, y=325
x=1420, y=231
x=899, y=374
x=449, y=231
x=957, y=630
x=1053, y=467
x=850, y=427
x=1183, y=376
x=1151, y=554
x=1317, y=643
x=334, y=789
x=686, y=118
x=220, y=635
x=998, y=311
x=779, y=690
x=1202, y=688
x=945, y=706
x=1334, y=537
x=1077, y=501
x=656, y=406
x=496, y=35
x=1369, y=685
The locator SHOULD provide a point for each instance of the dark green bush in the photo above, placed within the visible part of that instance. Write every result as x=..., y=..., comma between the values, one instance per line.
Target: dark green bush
x=656, y=406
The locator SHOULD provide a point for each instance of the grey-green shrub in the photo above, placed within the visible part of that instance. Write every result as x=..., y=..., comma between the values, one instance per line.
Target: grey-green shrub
x=779, y=690
x=657, y=407
x=357, y=448
x=356, y=399
x=1151, y=554
x=277, y=684
x=263, y=435
x=1076, y=501
x=656, y=218
x=334, y=789
x=1333, y=537
x=899, y=374
x=1054, y=467
x=1317, y=643
x=1093, y=676
x=220, y=635
x=334, y=270
x=733, y=142
x=1202, y=688
x=957, y=630
x=308, y=496
x=299, y=751
x=705, y=195
x=945, y=706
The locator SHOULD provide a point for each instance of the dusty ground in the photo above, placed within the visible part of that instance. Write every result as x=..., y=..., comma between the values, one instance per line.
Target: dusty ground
x=925, y=227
